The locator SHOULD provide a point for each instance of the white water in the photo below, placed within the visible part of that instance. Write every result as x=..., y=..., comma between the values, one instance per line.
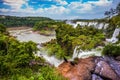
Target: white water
x=84, y=54
x=27, y=35
x=94, y=24
x=50, y=59
x=114, y=38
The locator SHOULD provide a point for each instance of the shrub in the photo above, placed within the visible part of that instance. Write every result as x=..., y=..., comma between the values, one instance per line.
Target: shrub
x=111, y=50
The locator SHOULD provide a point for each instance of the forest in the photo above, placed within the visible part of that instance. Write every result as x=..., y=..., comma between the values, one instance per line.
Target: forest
x=17, y=60
x=13, y=21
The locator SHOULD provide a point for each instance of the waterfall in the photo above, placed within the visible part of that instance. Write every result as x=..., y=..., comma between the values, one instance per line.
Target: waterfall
x=27, y=35
x=85, y=23
x=84, y=54
x=50, y=59
x=75, y=53
x=114, y=38
x=71, y=23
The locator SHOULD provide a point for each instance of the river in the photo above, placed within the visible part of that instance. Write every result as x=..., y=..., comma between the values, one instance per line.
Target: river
x=25, y=35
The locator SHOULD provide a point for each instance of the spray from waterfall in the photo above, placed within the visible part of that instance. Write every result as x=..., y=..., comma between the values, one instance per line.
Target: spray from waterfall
x=50, y=59
x=95, y=24
x=75, y=53
x=114, y=38
x=78, y=53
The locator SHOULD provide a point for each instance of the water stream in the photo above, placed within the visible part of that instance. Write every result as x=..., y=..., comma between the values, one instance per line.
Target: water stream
x=84, y=54
x=28, y=35
x=85, y=23
x=114, y=38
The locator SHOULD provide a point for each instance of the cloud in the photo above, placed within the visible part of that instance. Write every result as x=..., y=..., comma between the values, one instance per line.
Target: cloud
x=14, y=4
x=4, y=10
x=101, y=2
x=63, y=9
x=61, y=2
x=84, y=7
x=56, y=10
x=80, y=7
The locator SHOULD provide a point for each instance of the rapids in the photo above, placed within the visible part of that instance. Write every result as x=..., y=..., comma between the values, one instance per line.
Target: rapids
x=28, y=35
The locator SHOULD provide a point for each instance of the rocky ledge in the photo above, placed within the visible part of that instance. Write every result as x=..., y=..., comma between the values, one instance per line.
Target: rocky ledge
x=92, y=68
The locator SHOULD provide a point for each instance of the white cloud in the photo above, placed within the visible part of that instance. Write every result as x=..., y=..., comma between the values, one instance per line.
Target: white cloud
x=63, y=10
x=84, y=7
x=4, y=10
x=62, y=2
x=101, y=2
x=15, y=4
x=80, y=7
x=56, y=10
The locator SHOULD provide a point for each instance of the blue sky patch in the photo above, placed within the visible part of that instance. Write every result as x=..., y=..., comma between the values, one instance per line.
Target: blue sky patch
x=57, y=9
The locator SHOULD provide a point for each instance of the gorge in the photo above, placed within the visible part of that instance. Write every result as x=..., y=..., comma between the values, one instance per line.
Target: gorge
x=89, y=62
x=99, y=68
x=60, y=40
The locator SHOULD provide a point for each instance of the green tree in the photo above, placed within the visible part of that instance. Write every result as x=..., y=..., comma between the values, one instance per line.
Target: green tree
x=2, y=28
x=111, y=50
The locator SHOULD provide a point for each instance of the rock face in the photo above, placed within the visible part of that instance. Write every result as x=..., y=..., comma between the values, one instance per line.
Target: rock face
x=92, y=68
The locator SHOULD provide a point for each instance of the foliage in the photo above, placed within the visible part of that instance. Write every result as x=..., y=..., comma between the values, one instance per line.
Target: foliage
x=44, y=73
x=55, y=49
x=17, y=61
x=85, y=37
x=114, y=22
x=111, y=50
x=46, y=27
x=2, y=28
x=48, y=73
x=15, y=55
x=12, y=21
x=89, y=20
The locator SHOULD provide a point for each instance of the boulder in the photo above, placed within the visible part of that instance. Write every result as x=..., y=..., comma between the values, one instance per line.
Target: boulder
x=104, y=70
x=91, y=68
x=80, y=71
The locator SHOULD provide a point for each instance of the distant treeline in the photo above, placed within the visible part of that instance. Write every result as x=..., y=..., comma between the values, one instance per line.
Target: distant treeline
x=13, y=21
x=89, y=20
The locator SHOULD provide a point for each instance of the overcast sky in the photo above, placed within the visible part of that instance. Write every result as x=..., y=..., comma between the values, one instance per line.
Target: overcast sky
x=57, y=9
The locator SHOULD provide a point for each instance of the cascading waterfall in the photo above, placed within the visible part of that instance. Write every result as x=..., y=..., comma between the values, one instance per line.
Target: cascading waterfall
x=27, y=35
x=75, y=53
x=22, y=35
x=83, y=54
x=50, y=59
x=94, y=24
x=114, y=38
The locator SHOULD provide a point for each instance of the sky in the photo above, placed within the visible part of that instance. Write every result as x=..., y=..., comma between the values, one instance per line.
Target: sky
x=57, y=9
